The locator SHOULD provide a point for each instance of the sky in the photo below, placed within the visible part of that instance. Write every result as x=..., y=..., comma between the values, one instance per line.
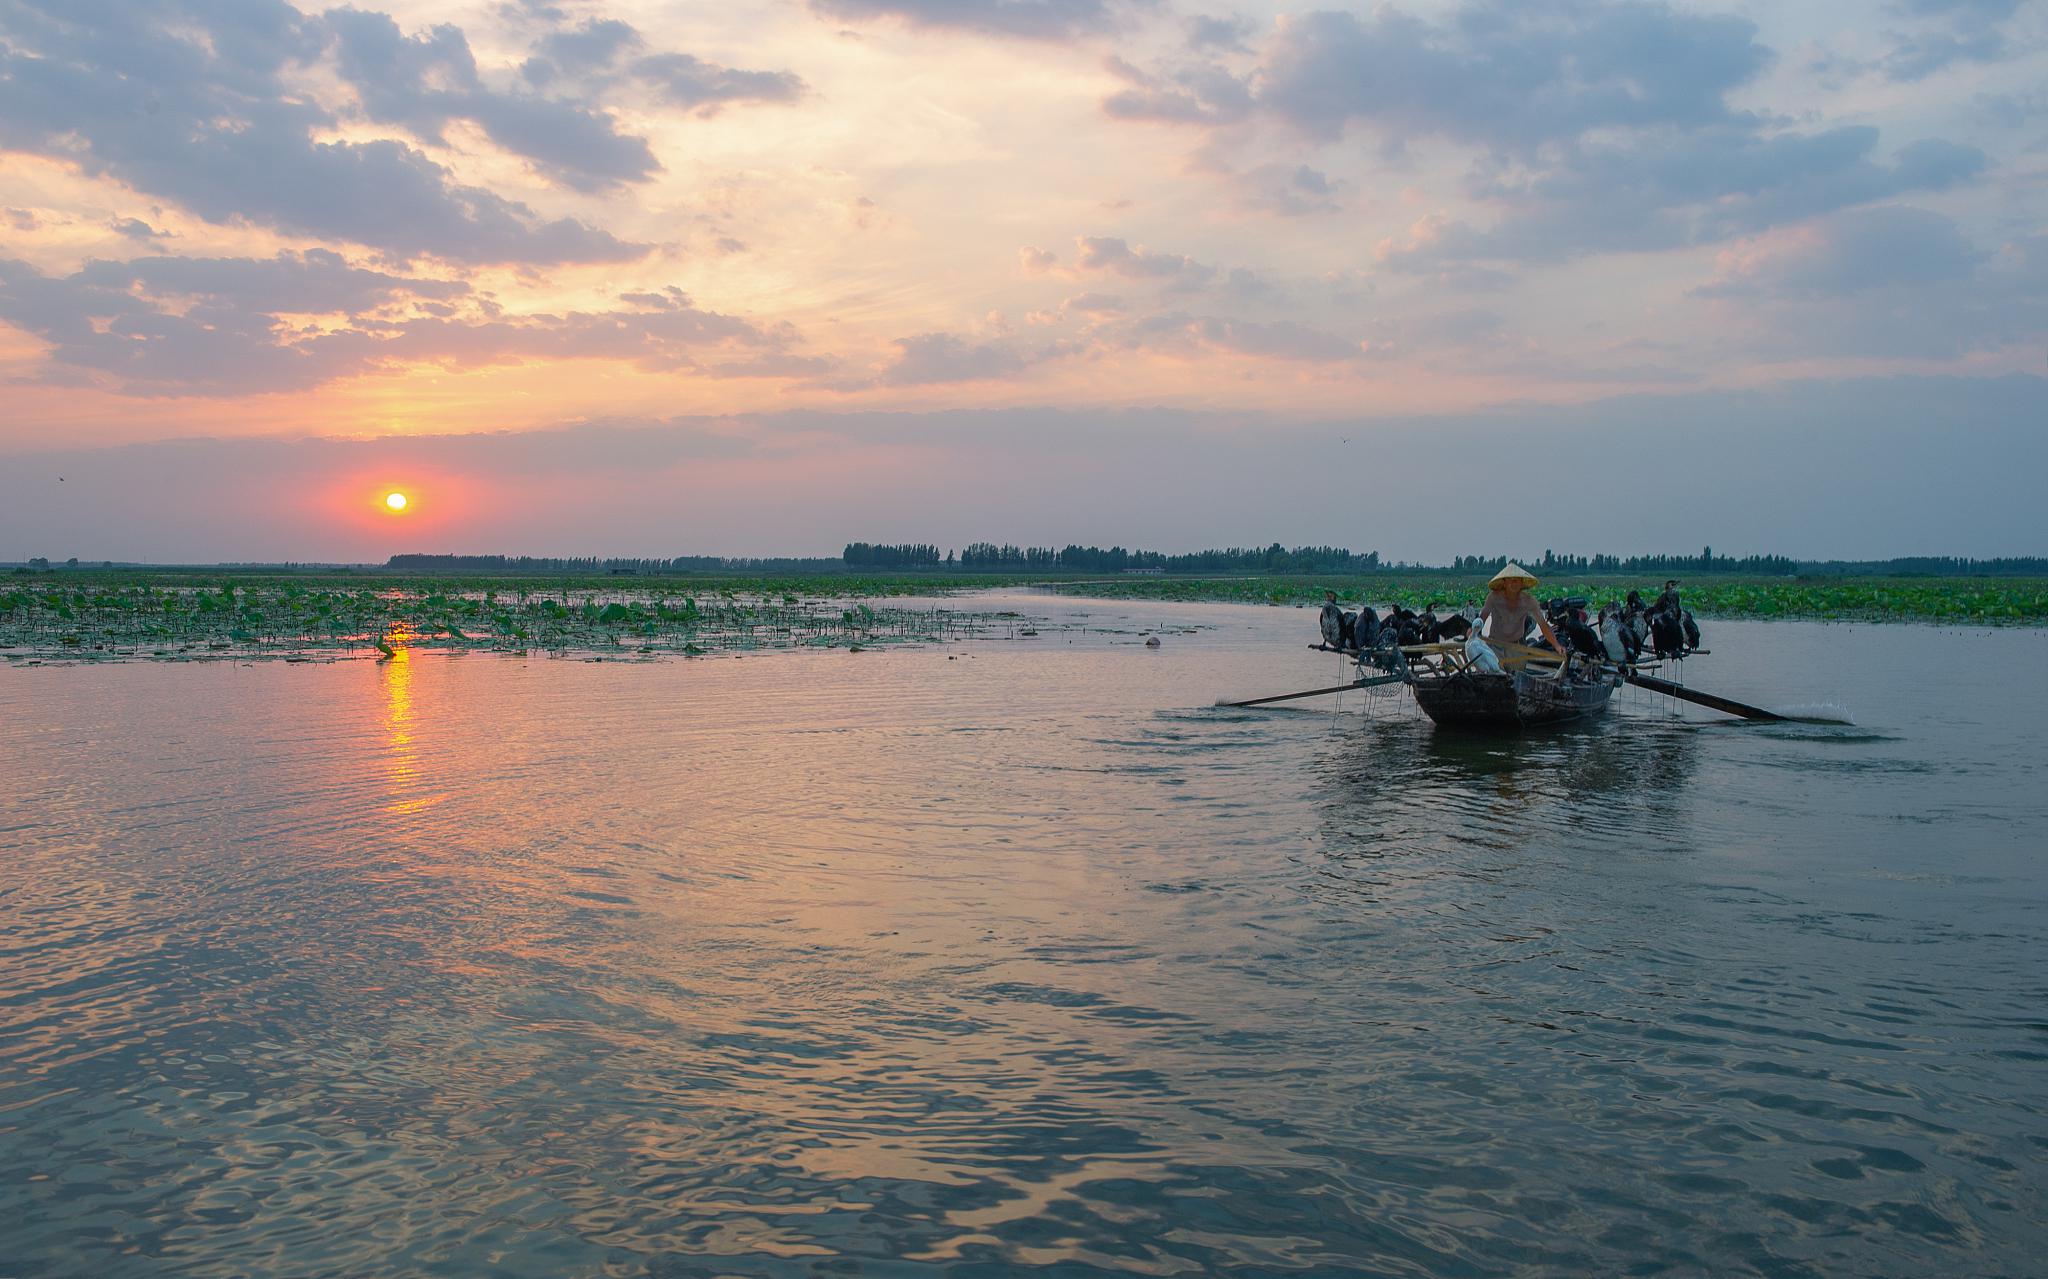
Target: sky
x=587, y=278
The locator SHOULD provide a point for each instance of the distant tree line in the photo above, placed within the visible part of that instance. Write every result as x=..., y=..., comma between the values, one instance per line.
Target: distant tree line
x=986, y=557
x=1705, y=562
x=1276, y=559
x=1770, y=565
x=1930, y=566
x=901, y=555
x=591, y=564
x=991, y=557
x=982, y=556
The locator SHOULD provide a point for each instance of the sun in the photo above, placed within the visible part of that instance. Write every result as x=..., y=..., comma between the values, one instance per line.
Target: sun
x=396, y=501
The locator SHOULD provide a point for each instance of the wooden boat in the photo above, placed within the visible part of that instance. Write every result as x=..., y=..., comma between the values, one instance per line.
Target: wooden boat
x=1534, y=686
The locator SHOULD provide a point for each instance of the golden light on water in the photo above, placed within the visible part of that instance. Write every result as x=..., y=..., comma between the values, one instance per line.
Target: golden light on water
x=395, y=501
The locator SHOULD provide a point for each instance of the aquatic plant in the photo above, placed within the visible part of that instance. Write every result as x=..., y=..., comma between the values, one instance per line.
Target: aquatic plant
x=1956, y=599
x=172, y=615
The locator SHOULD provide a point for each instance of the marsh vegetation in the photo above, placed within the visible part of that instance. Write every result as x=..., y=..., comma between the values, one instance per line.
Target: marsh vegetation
x=182, y=615
x=98, y=616
x=1973, y=600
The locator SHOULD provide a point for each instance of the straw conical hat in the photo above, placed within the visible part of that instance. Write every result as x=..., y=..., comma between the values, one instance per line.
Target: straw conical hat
x=1513, y=573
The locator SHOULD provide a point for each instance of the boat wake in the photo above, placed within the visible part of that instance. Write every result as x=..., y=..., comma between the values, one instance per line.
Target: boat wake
x=1819, y=713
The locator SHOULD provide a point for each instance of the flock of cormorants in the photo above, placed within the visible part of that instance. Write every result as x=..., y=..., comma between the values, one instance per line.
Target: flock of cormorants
x=1621, y=632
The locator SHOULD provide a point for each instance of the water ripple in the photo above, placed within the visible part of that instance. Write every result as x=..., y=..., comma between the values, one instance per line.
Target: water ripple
x=1030, y=962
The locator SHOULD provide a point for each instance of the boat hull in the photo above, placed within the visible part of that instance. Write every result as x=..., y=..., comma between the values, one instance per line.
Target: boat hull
x=1509, y=700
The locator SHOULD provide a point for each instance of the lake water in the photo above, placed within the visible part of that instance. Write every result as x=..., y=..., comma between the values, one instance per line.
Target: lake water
x=1022, y=957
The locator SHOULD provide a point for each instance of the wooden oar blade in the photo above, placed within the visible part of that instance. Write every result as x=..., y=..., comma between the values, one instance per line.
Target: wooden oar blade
x=1319, y=692
x=1726, y=705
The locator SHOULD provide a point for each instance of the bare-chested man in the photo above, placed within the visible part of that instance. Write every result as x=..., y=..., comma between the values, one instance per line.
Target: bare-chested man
x=1510, y=608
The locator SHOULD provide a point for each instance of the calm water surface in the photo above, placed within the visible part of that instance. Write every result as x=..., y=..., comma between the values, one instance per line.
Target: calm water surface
x=1015, y=957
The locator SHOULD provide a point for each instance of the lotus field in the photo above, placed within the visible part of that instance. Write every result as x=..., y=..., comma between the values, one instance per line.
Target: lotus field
x=1962, y=600
x=87, y=616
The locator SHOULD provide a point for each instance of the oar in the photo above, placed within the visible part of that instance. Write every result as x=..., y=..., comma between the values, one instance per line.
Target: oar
x=1318, y=692
x=1684, y=694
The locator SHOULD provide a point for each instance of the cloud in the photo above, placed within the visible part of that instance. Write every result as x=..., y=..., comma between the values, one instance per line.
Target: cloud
x=1885, y=282
x=1971, y=11
x=1025, y=19
x=1241, y=284
x=686, y=81
x=1595, y=125
x=1917, y=55
x=930, y=358
x=1230, y=33
x=1185, y=335
x=1197, y=93
x=99, y=331
x=1959, y=31
x=1112, y=254
x=316, y=282
x=1505, y=74
x=1280, y=339
x=1662, y=191
x=422, y=82
x=187, y=100
x=1890, y=246
x=595, y=53
x=1032, y=260
x=1093, y=304
x=1738, y=181
x=169, y=326
x=132, y=229
x=1288, y=190
x=595, y=44
x=775, y=364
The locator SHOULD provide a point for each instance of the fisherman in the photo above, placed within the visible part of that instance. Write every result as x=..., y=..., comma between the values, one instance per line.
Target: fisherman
x=1510, y=608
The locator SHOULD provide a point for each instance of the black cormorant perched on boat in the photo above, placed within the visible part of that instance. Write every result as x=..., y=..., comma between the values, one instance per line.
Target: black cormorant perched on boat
x=1332, y=621
x=1613, y=637
x=1365, y=629
x=1436, y=629
x=1667, y=634
x=1577, y=636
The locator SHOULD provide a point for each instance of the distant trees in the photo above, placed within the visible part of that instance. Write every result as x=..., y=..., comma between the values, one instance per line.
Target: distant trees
x=1706, y=562
x=1930, y=566
x=901, y=555
x=592, y=564
x=1305, y=561
x=1075, y=558
x=1766, y=565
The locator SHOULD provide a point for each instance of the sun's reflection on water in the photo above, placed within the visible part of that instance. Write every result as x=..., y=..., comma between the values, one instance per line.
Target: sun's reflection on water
x=402, y=767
